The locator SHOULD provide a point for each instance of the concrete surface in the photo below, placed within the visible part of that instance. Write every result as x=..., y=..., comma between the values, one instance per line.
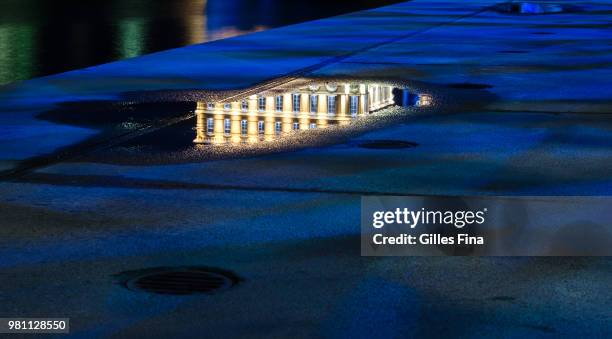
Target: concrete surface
x=288, y=223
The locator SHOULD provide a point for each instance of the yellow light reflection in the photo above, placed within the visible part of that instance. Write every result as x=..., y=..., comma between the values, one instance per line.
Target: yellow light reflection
x=424, y=100
x=281, y=111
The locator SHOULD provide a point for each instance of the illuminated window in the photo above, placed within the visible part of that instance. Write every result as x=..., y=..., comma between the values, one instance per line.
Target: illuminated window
x=210, y=106
x=279, y=103
x=210, y=125
x=313, y=126
x=296, y=125
x=227, y=107
x=296, y=102
x=260, y=126
x=227, y=124
x=261, y=103
x=314, y=103
x=424, y=100
x=354, y=104
x=278, y=127
x=331, y=104
x=244, y=105
x=244, y=125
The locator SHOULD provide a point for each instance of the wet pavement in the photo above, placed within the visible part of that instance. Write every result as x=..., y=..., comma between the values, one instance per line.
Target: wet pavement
x=101, y=176
x=39, y=38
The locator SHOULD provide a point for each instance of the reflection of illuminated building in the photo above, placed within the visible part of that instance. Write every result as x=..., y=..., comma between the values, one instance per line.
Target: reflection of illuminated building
x=266, y=115
x=424, y=100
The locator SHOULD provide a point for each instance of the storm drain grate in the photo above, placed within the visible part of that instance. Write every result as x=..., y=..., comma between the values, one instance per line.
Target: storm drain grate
x=180, y=280
x=387, y=144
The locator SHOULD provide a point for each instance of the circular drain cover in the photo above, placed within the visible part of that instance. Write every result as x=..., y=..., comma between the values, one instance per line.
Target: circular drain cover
x=387, y=144
x=180, y=280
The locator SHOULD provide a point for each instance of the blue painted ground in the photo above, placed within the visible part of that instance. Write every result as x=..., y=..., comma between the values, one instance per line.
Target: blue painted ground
x=68, y=227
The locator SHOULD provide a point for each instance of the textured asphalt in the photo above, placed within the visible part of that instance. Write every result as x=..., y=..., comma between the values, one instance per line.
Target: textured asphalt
x=536, y=122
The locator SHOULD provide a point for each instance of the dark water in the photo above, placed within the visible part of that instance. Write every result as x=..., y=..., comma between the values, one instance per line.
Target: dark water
x=42, y=37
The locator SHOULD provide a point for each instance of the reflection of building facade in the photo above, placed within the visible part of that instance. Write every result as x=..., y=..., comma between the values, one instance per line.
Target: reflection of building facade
x=267, y=115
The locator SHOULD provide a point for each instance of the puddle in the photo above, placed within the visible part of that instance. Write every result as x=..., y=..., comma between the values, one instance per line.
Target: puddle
x=163, y=127
x=534, y=8
x=296, y=107
x=112, y=115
